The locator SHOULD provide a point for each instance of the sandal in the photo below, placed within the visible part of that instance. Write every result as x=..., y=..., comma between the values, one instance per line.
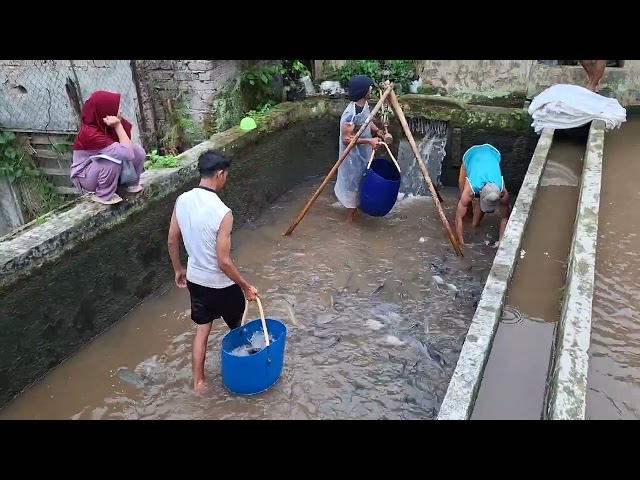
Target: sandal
x=114, y=199
x=134, y=188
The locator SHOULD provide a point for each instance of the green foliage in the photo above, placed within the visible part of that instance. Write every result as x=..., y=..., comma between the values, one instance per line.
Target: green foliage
x=297, y=69
x=400, y=72
x=370, y=68
x=261, y=111
x=183, y=131
x=257, y=83
x=160, y=161
x=12, y=166
x=37, y=194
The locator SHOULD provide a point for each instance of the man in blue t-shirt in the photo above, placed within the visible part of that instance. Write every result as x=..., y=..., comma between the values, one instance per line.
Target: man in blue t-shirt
x=481, y=177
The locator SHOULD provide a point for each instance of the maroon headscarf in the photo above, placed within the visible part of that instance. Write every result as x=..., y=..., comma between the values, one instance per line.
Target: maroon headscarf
x=94, y=133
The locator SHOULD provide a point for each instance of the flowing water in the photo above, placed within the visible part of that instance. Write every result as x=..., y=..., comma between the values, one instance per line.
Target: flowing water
x=514, y=382
x=371, y=334
x=431, y=139
x=614, y=363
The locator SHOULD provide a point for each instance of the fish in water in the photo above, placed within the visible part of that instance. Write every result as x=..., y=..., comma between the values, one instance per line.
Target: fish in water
x=453, y=288
x=373, y=324
x=292, y=317
x=393, y=340
x=378, y=289
x=127, y=376
x=256, y=344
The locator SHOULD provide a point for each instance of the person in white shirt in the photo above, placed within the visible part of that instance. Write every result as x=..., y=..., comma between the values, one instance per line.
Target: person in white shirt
x=216, y=287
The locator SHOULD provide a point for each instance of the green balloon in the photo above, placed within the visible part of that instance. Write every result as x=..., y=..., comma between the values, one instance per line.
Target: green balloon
x=247, y=124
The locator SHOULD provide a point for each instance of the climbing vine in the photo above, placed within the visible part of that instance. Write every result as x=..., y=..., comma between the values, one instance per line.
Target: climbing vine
x=183, y=132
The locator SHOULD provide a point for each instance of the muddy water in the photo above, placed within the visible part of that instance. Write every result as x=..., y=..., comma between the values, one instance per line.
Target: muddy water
x=514, y=382
x=371, y=334
x=614, y=363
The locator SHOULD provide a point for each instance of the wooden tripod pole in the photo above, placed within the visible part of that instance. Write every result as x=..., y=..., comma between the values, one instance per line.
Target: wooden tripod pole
x=393, y=99
x=332, y=172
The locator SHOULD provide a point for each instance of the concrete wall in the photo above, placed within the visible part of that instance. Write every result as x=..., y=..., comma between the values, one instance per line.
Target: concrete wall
x=478, y=76
x=10, y=211
x=34, y=97
x=502, y=78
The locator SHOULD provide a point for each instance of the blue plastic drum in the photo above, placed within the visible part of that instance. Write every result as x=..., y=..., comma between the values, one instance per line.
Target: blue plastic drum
x=379, y=188
x=257, y=372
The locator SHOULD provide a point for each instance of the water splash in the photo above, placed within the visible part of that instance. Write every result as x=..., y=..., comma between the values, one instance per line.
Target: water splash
x=432, y=150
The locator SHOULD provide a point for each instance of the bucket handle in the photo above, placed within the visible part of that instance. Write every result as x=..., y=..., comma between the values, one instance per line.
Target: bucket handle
x=264, y=321
x=373, y=153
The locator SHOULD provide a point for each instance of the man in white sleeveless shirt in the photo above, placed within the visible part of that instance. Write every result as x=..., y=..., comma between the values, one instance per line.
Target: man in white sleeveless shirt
x=216, y=287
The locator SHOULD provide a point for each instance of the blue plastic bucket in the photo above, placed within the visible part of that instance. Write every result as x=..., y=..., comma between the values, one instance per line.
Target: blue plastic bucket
x=256, y=373
x=379, y=188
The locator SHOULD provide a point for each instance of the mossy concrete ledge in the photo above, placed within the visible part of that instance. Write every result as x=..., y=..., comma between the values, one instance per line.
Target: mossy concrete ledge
x=65, y=280
x=466, y=116
x=568, y=379
x=461, y=394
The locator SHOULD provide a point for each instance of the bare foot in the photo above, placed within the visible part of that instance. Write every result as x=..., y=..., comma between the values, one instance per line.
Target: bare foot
x=592, y=87
x=351, y=216
x=200, y=387
x=112, y=201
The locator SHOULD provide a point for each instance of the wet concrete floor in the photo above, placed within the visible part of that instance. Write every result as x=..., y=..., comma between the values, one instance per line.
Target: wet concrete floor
x=514, y=382
x=371, y=335
x=614, y=355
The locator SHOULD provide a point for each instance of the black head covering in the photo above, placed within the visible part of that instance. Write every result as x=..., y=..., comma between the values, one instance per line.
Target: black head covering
x=359, y=87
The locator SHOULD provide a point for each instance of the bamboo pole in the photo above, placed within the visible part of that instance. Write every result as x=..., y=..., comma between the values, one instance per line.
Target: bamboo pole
x=434, y=194
x=333, y=171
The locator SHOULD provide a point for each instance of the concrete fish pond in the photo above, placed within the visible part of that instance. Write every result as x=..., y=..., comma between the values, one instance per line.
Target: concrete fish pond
x=117, y=321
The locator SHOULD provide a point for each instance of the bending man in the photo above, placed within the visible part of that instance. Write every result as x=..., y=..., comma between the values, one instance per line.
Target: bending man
x=216, y=287
x=353, y=167
x=481, y=177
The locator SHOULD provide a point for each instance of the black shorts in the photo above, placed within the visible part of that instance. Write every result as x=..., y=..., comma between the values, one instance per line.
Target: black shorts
x=208, y=304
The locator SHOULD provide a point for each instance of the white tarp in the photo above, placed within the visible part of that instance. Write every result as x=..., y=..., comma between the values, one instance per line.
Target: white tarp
x=569, y=106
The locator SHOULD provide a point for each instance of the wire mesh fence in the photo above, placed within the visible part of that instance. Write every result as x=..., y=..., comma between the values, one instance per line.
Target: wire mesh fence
x=47, y=95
